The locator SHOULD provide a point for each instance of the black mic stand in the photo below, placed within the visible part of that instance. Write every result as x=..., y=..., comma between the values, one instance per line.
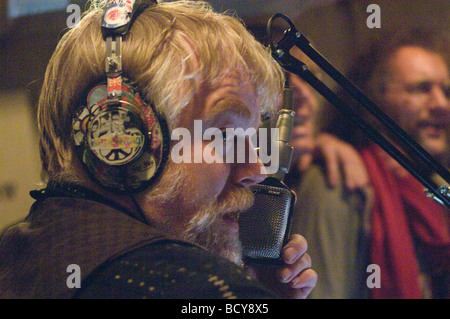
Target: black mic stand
x=419, y=160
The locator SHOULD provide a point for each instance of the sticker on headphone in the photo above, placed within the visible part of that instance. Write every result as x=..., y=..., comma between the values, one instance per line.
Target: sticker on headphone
x=115, y=136
x=95, y=98
x=122, y=144
x=118, y=13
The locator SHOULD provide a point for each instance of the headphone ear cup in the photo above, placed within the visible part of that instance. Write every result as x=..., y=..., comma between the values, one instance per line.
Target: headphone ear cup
x=123, y=145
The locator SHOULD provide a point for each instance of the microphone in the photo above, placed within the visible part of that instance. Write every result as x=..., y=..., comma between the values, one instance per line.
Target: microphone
x=265, y=227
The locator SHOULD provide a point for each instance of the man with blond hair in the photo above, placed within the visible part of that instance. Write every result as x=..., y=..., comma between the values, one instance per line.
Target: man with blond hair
x=130, y=220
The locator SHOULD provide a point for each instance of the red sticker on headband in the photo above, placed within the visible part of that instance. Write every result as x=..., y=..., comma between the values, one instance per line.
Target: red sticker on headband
x=117, y=13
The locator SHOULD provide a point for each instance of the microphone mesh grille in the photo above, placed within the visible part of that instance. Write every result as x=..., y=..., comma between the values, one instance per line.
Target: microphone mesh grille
x=264, y=227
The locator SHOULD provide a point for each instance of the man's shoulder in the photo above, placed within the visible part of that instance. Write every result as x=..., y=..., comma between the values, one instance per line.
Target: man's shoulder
x=171, y=270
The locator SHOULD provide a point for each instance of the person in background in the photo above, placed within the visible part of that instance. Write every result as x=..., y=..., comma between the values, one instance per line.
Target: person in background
x=325, y=168
x=389, y=223
x=309, y=141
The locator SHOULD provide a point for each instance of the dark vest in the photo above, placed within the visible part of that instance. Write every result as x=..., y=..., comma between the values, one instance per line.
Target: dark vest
x=60, y=231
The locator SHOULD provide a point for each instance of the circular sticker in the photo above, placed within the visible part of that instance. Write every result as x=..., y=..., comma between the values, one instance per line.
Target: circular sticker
x=116, y=16
x=123, y=144
x=115, y=135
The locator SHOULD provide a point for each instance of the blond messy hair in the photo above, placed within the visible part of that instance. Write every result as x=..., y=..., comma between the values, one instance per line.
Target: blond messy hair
x=156, y=58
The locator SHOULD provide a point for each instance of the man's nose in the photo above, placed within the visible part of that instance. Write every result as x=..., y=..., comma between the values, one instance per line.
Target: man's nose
x=250, y=172
x=439, y=101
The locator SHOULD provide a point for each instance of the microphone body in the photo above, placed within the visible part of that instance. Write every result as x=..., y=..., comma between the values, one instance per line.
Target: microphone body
x=265, y=228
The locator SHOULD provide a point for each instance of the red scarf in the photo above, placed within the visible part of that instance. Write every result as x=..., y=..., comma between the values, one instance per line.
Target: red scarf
x=400, y=210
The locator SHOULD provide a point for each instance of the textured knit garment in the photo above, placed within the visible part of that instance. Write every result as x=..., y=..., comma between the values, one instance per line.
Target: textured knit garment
x=118, y=255
x=170, y=271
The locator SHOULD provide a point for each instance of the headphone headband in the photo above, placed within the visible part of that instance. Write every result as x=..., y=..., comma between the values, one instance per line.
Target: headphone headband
x=116, y=21
x=120, y=139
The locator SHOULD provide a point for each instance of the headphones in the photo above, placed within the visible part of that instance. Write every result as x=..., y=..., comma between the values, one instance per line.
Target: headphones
x=119, y=138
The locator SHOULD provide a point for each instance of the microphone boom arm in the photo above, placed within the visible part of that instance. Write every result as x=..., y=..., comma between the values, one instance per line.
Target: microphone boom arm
x=280, y=52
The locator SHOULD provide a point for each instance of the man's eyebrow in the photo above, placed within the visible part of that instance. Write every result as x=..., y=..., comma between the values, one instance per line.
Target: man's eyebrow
x=227, y=106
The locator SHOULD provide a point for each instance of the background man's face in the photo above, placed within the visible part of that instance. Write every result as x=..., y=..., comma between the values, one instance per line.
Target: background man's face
x=417, y=97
